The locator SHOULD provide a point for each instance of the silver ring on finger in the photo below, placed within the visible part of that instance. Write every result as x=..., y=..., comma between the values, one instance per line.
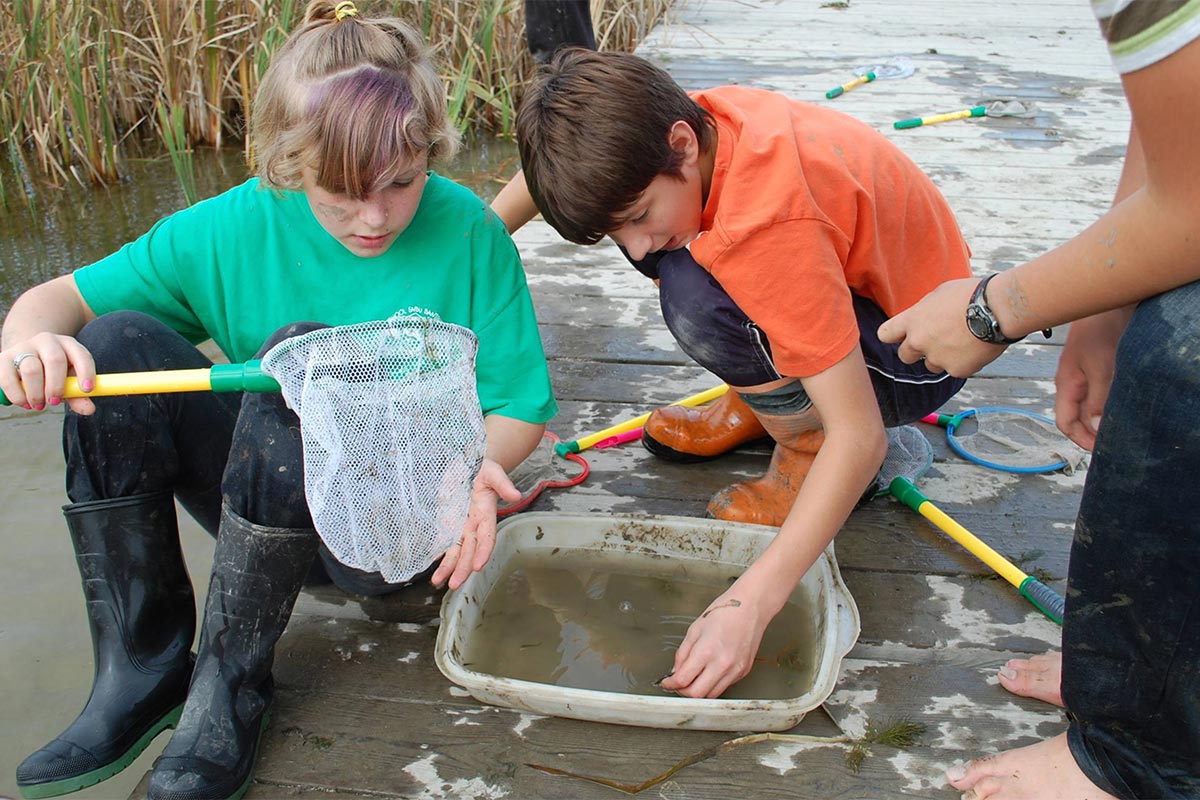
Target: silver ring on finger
x=16, y=362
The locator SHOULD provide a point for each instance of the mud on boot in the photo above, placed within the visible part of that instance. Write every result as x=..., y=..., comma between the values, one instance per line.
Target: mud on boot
x=257, y=573
x=141, y=613
x=768, y=500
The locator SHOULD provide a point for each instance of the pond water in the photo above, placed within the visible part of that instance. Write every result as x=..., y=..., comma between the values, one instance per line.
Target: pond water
x=68, y=228
x=612, y=621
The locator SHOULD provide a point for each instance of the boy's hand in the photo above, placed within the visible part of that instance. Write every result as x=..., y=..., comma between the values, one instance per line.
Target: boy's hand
x=935, y=329
x=719, y=647
x=45, y=361
x=474, y=549
x=1085, y=373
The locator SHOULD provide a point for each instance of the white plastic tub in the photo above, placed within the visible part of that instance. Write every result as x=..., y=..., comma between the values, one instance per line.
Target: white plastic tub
x=836, y=623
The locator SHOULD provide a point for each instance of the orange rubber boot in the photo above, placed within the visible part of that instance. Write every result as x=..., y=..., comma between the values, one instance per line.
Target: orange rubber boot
x=769, y=499
x=687, y=435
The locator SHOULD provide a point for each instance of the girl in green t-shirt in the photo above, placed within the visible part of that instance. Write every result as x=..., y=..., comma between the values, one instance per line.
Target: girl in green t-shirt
x=344, y=223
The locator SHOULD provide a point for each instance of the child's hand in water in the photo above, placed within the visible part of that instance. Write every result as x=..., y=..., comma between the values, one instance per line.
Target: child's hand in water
x=719, y=648
x=474, y=549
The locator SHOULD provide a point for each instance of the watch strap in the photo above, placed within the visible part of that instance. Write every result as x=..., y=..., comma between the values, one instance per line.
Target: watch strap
x=979, y=307
x=983, y=310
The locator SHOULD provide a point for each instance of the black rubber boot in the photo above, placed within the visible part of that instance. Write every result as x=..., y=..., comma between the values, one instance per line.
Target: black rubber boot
x=257, y=572
x=142, y=616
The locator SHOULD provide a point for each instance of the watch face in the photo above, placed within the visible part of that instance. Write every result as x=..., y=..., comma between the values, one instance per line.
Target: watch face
x=978, y=325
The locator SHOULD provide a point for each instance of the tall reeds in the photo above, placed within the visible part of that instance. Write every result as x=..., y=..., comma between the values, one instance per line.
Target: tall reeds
x=84, y=82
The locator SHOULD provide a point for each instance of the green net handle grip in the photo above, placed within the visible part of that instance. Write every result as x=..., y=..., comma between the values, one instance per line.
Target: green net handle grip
x=247, y=377
x=1048, y=601
x=904, y=491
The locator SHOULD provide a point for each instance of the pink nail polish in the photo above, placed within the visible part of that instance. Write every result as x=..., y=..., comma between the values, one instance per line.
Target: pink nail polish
x=86, y=386
x=27, y=407
x=54, y=401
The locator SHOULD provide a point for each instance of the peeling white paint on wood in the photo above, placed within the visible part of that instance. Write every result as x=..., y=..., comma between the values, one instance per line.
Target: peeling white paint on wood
x=782, y=759
x=525, y=720
x=920, y=771
x=976, y=627
x=966, y=483
x=438, y=788
x=1020, y=722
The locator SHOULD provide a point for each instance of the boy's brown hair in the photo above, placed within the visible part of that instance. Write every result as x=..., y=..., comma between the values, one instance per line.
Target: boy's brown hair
x=353, y=97
x=592, y=131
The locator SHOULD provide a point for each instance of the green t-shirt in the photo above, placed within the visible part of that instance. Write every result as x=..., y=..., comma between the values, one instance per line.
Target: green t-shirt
x=239, y=266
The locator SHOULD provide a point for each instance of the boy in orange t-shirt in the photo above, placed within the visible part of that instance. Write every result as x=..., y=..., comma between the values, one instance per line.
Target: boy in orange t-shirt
x=781, y=234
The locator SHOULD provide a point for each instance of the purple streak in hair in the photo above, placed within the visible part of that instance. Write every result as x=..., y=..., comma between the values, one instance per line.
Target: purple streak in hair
x=362, y=132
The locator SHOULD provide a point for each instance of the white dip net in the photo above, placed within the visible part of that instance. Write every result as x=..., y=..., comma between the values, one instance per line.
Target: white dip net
x=393, y=436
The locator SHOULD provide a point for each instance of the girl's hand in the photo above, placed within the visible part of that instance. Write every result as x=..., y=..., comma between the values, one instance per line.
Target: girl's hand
x=478, y=540
x=45, y=360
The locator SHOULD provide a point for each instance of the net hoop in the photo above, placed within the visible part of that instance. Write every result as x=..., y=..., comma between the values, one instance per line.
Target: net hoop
x=955, y=445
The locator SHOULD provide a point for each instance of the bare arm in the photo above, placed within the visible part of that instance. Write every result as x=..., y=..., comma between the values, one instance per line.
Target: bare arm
x=1086, y=366
x=514, y=204
x=720, y=646
x=1147, y=243
x=509, y=442
x=44, y=321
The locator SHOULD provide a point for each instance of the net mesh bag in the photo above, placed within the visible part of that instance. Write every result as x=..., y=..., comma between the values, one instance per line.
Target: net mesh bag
x=393, y=436
x=909, y=455
x=1016, y=440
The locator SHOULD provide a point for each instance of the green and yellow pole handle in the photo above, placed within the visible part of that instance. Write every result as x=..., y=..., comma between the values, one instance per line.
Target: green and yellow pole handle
x=586, y=442
x=918, y=122
x=1046, y=599
x=247, y=377
x=838, y=91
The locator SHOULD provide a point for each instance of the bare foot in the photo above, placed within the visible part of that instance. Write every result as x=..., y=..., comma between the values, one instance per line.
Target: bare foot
x=1039, y=677
x=1042, y=771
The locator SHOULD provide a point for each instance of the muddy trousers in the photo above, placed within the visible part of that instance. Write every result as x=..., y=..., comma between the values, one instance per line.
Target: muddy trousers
x=551, y=24
x=196, y=445
x=200, y=446
x=1131, y=636
x=236, y=463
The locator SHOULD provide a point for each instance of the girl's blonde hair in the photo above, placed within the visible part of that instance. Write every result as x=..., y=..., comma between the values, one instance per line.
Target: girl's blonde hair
x=355, y=98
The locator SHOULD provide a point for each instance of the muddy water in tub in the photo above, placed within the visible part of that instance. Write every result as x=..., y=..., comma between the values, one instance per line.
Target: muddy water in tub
x=612, y=622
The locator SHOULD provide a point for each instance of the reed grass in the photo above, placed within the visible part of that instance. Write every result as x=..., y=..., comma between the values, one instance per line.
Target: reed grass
x=85, y=82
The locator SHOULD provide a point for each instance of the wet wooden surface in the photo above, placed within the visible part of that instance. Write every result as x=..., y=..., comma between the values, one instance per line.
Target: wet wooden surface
x=363, y=712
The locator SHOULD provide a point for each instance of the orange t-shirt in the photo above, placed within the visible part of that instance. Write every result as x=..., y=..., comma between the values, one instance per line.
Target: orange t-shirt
x=807, y=205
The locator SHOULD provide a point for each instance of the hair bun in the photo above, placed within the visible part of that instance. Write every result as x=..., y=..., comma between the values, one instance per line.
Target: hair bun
x=329, y=10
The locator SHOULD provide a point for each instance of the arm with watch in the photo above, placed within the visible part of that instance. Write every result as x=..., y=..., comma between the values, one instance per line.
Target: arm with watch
x=1146, y=244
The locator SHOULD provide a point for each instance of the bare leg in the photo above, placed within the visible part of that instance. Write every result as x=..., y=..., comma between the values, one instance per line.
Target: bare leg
x=1039, y=677
x=1043, y=771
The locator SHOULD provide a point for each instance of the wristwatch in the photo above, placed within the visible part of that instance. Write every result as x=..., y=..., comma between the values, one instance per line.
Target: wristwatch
x=982, y=323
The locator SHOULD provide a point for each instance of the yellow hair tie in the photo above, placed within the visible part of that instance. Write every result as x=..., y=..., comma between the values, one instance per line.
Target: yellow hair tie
x=344, y=9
